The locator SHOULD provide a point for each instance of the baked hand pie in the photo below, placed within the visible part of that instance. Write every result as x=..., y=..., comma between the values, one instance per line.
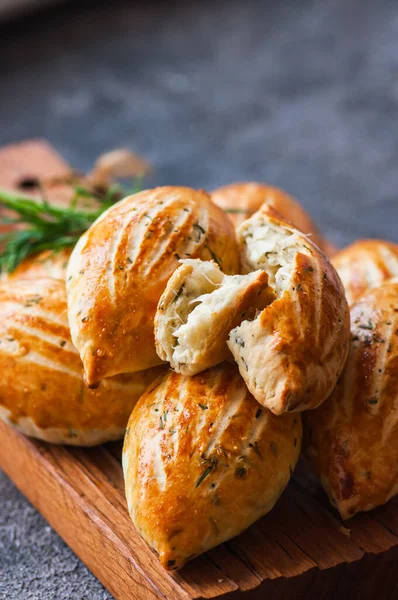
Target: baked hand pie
x=42, y=392
x=292, y=354
x=352, y=439
x=202, y=461
x=241, y=200
x=365, y=265
x=198, y=309
x=120, y=267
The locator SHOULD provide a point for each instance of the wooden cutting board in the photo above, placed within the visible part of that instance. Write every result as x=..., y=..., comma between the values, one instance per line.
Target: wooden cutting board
x=301, y=550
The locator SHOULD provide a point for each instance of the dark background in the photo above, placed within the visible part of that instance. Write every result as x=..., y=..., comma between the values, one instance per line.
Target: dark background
x=301, y=94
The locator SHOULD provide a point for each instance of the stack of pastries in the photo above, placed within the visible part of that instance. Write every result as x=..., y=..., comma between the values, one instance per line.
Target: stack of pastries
x=201, y=327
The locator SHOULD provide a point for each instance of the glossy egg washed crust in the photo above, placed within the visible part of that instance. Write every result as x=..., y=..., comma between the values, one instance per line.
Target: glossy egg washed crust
x=352, y=439
x=202, y=461
x=365, y=265
x=241, y=200
x=121, y=265
x=293, y=353
x=42, y=392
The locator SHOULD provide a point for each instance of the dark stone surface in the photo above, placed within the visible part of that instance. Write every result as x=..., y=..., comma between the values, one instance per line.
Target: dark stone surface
x=300, y=94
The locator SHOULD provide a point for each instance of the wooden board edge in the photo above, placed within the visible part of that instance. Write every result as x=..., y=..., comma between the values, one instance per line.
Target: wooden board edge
x=82, y=528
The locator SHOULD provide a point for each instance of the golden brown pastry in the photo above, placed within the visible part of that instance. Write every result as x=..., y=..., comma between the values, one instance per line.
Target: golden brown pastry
x=46, y=264
x=41, y=387
x=365, y=265
x=293, y=353
x=120, y=268
x=352, y=439
x=241, y=200
x=198, y=309
x=202, y=461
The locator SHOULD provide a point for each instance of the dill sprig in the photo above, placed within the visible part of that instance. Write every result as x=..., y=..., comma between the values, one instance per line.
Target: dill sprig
x=49, y=227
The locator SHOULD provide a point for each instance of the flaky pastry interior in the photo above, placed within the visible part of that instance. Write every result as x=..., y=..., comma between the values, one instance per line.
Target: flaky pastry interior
x=199, y=308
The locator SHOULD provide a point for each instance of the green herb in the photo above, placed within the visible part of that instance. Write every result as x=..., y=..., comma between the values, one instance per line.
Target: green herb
x=178, y=294
x=200, y=230
x=211, y=464
x=214, y=257
x=241, y=472
x=205, y=473
x=34, y=300
x=239, y=341
x=199, y=227
x=49, y=227
x=258, y=412
x=237, y=211
x=202, y=406
x=369, y=325
x=63, y=344
x=373, y=400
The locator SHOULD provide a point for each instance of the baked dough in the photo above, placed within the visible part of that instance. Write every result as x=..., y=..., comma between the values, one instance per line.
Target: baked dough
x=46, y=264
x=293, y=353
x=365, y=265
x=202, y=461
x=241, y=200
x=42, y=392
x=198, y=309
x=120, y=267
x=352, y=439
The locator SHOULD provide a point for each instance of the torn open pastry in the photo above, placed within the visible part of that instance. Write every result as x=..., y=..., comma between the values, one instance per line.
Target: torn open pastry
x=202, y=461
x=352, y=439
x=121, y=265
x=42, y=392
x=198, y=309
x=293, y=353
x=365, y=265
